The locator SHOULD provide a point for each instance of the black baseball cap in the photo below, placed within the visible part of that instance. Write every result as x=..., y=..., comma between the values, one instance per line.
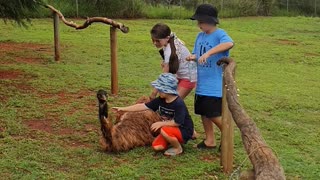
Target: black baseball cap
x=206, y=13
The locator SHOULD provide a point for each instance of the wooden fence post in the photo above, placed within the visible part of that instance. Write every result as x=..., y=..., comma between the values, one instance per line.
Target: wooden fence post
x=227, y=134
x=114, y=63
x=265, y=164
x=56, y=36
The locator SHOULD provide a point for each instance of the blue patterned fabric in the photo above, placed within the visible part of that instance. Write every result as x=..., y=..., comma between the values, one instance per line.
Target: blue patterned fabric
x=166, y=83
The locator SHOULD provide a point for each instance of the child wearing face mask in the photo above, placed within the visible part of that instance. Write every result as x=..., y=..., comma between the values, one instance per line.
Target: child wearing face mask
x=211, y=45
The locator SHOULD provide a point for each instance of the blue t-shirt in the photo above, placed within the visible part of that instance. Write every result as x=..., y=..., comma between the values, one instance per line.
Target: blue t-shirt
x=209, y=82
x=176, y=110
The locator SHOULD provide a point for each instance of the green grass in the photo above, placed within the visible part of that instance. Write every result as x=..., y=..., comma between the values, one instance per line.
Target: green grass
x=278, y=65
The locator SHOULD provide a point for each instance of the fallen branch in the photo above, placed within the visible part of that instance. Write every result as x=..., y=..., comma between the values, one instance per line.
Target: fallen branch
x=89, y=21
x=265, y=163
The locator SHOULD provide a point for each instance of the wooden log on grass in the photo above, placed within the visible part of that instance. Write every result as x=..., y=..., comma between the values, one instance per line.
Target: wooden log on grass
x=266, y=165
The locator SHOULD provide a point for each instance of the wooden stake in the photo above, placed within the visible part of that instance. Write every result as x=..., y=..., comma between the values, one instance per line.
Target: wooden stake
x=114, y=63
x=56, y=37
x=226, y=134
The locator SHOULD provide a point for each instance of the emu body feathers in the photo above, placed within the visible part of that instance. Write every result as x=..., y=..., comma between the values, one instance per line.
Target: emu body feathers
x=132, y=129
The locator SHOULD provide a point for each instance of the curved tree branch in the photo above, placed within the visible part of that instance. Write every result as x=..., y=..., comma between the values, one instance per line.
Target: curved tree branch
x=89, y=21
x=265, y=163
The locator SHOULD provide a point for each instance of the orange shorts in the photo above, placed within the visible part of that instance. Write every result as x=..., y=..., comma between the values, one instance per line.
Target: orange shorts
x=185, y=83
x=170, y=131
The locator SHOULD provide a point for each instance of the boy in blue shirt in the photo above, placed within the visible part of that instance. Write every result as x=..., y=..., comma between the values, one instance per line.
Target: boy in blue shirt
x=211, y=45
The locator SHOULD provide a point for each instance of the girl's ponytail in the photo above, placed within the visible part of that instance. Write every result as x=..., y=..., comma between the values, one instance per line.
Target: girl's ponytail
x=173, y=60
x=161, y=31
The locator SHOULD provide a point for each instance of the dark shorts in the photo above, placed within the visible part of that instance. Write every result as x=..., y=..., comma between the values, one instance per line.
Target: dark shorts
x=207, y=106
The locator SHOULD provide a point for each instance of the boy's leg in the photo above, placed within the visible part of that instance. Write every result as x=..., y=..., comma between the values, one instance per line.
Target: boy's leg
x=173, y=136
x=217, y=121
x=209, y=132
x=210, y=110
x=159, y=143
x=209, y=129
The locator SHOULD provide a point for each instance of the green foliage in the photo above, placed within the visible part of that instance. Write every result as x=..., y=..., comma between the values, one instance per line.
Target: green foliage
x=277, y=74
x=17, y=10
x=165, y=12
x=175, y=9
x=106, y=8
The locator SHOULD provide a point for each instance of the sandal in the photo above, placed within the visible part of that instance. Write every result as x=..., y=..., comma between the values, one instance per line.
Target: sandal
x=202, y=145
x=172, y=152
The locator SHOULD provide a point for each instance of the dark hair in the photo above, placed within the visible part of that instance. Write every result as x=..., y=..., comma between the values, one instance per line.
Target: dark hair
x=161, y=31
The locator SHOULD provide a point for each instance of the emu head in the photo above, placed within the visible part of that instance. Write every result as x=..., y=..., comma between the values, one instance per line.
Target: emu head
x=103, y=105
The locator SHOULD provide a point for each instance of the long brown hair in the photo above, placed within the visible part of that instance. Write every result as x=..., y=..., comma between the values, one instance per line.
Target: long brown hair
x=161, y=31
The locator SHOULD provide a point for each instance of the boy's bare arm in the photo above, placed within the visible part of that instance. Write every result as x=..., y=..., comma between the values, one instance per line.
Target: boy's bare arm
x=157, y=125
x=136, y=107
x=220, y=48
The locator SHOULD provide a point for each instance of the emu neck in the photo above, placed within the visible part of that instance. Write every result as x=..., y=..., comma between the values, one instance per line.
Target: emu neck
x=103, y=109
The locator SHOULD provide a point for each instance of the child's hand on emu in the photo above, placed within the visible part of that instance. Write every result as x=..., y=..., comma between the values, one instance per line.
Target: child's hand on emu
x=156, y=126
x=117, y=109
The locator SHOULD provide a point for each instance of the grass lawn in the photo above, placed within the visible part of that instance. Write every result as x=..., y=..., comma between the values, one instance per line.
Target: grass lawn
x=49, y=127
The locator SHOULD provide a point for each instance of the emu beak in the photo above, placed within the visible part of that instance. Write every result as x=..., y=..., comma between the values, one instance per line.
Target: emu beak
x=104, y=98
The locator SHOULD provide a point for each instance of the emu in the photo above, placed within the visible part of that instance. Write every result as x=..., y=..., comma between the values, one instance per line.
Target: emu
x=131, y=129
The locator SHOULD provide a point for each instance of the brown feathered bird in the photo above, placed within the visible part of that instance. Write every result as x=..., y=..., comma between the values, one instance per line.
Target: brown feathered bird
x=132, y=129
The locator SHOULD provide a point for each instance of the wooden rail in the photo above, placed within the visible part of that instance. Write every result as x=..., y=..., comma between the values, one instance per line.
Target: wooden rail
x=113, y=39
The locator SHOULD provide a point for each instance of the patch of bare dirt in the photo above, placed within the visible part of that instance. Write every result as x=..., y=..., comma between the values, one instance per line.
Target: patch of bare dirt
x=51, y=123
x=71, y=142
x=10, y=74
x=47, y=126
x=90, y=127
x=40, y=125
x=67, y=98
x=1, y=129
x=311, y=54
x=79, y=144
x=14, y=46
x=209, y=158
x=288, y=42
x=29, y=60
x=18, y=81
x=23, y=52
x=65, y=131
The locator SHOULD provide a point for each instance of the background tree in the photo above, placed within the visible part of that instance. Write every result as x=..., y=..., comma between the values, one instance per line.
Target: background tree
x=18, y=10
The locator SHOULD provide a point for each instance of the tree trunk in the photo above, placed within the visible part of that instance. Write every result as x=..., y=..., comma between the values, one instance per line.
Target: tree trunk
x=265, y=163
